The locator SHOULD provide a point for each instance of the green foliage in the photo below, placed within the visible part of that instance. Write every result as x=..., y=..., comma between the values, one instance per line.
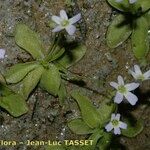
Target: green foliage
x=31, y=81
x=78, y=126
x=105, y=141
x=29, y=41
x=89, y=114
x=44, y=70
x=93, y=120
x=118, y=31
x=12, y=102
x=140, y=40
x=105, y=110
x=134, y=22
x=17, y=72
x=62, y=93
x=51, y=79
x=123, y=6
x=71, y=56
x=133, y=128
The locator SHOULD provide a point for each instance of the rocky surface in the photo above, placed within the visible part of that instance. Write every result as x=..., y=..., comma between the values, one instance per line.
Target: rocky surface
x=46, y=119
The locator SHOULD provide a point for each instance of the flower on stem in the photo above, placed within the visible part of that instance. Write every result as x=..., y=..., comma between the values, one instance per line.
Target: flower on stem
x=115, y=124
x=65, y=23
x=138, y=75
x=130, y=1
x=2, y=53
x=123, y=90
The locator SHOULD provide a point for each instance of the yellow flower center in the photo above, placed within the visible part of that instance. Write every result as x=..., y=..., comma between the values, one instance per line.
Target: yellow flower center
x=65, y=23
x=115, y=122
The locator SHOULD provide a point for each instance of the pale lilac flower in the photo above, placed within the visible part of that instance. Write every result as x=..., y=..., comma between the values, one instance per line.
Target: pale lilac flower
x=130, y=1
x=65, y=23
x=115, y=124
x=123, y=90
x=2, y=53
x=138, y=75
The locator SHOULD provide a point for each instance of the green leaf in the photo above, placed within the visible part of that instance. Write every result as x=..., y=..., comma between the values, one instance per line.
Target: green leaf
x=118, y=31
x=133, y=128
x=2, y=79
x=31, y=81
x=56, y=54
x=147, y=17
x=105, y=141
x=51, y=80
x=12, y=102
x=17, y=72
x=144, y=4
x=29, y=41
x=78, y=126
x=71, y=56
x=62, y=93
x=122, y=6
x=89, y=113
x=105, y=111
x=95, y=137
x=140, y=40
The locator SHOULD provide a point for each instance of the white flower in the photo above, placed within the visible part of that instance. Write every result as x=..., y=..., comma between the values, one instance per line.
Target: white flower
x=65, y=23
x=2, y=53
x=138, y=75
x=115, y=124
x=130, y=1
x=124, y=91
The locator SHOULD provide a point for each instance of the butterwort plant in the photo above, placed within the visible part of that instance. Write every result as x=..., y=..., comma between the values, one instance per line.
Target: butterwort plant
x=98, y=122
x=133, y=21
x=46, y=67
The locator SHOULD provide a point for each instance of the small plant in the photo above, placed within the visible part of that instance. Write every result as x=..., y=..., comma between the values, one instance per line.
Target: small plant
x=132, y=21
x=11, y=101
x=94, y=121
x=46, y=68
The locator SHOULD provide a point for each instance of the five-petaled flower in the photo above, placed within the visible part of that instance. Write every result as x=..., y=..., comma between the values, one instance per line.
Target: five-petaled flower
x=130, y=1
x=138, y=75
x=115, y=124
x=2, y=53
x=123, y=90
x=65, y=23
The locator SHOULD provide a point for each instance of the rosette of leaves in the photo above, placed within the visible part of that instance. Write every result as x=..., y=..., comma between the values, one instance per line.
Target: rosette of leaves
x=11, y=101
x=46, y=67
x=93, y=121
x=132, y=21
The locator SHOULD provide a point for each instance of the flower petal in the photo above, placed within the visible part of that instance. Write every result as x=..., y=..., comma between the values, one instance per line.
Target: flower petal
x=2, y=53
x=118, y=98
x=132, y=86
x=132, y=99
x=122, y=125
x=63, y=15
x=120, y=80
x=57, y=29
x=117, y=117
x=109, y=127
x=114, y=84
x=133, y=74
x=113, y=116
x=71, y=29
x=137, y=70
x=56, y=19
x=117, y=130
x=75, y=19
x=147, y=74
